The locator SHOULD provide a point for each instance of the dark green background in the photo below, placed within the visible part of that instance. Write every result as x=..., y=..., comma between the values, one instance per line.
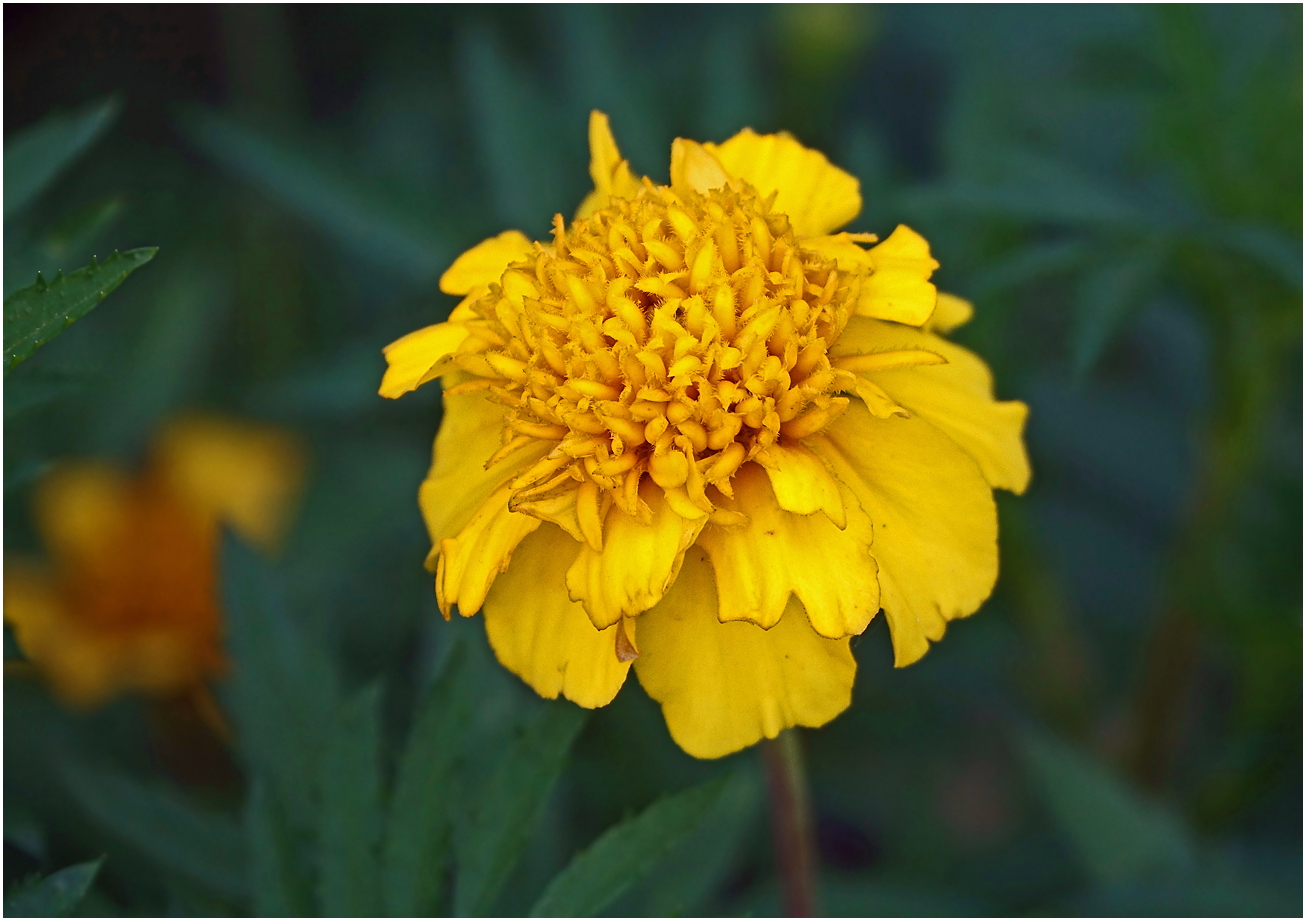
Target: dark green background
x=1119, y=191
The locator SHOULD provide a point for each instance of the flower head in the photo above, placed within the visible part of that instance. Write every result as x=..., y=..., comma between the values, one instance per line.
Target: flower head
x=130, y=602
x=699, y=432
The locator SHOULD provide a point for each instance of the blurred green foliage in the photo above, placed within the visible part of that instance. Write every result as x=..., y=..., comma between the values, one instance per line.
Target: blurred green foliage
x=1119, y=190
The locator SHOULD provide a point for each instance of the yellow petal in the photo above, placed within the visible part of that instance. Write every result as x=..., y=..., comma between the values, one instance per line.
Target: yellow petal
x=82, y=510
x=638, y=562
x=469, y=563
x=876, y=400
x=899, y=289
x=843, y=249
x=611, y=174
x=245, y=475
x=559, y=509
x=949, y=313
x=956, y=397
x=485, y=262
x=51, y=639
x=545, y=638
x=723, y=687
x=694, y=169
x=419, y=357
x=87, y=663
x=801, y=482
x=885, y=361
x=903, y=249
x=458, y=483
x=817, y=196
x=760, y=563
x=936, y=529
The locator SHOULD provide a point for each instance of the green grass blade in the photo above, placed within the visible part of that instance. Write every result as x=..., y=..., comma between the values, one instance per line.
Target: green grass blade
x=36, y=314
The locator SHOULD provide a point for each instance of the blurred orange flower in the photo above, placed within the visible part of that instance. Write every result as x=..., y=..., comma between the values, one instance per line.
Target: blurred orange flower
x=129, y=600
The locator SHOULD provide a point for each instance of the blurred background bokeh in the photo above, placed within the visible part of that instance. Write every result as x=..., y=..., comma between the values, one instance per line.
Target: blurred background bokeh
x=1119, y=191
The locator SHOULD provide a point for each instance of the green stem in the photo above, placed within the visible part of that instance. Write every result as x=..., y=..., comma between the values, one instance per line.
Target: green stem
x=791, y=823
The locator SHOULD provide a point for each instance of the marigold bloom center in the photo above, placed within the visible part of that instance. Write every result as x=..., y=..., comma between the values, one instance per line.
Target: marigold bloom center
x=673, y=335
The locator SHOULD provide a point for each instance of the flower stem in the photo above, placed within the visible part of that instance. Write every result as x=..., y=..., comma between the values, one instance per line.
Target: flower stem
x=791, y=823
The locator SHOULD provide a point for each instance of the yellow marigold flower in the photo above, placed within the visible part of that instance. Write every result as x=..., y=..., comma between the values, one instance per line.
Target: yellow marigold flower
x=130, y=600
x=701, y=432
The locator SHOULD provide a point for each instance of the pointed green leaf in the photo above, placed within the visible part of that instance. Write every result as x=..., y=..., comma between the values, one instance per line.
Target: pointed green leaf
x=36, y=314
x=36, y=155
x=349, y=839
x=278, y=887
x=283, y=689
x=176, y=835
x=621, y=856
x=500, y=826
x=56, y=895
x=421, y=809
x=1119, y=835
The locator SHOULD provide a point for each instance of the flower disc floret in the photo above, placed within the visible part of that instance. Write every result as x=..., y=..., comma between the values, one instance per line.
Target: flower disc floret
x=670, y=335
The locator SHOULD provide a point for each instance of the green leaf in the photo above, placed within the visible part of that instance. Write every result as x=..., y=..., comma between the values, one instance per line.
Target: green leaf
x=81, y=229
x=279, y=888
x=854, y=898
x=39, y=387
x=1119, y=836
x=363, y=219
x=36, y=155
x=1108, y=297
x=731, y=89
x=36, y=314
x=350, y=878
x=421, y=808
x=600, y=75
x=1275, y=251
x=1027, y=265
x=174, y=834
x=56, y=895
x=165, y=364
x=13, y=652
x=1037, y=187
x=682, y=883
x=625, y=853
x=510, y=805
x=517, y=140
x=283, y=691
